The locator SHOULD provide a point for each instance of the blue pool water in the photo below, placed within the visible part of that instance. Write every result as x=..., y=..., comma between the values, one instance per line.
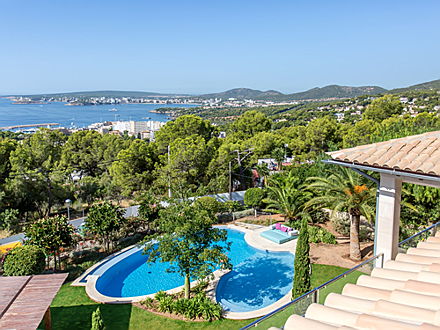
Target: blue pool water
x=258, y=279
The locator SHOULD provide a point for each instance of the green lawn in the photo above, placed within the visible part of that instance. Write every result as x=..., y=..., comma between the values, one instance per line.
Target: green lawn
x=72, y=309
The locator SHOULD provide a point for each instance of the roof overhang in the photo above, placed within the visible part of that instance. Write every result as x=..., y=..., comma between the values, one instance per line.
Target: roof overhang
x=410, y=177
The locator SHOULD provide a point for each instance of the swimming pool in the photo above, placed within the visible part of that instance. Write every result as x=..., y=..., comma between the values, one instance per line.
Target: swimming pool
x=258, y=279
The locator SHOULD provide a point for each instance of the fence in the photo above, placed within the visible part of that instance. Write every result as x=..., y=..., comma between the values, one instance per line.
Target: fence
x=299, y=305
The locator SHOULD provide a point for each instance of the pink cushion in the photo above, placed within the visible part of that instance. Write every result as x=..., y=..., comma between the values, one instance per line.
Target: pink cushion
x=278, y=226
x=284, y=229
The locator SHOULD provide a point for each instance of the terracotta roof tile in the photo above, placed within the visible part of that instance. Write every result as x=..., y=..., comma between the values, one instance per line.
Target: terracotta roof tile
x=418, y=153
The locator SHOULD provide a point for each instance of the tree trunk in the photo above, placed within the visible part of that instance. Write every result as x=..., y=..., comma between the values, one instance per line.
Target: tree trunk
x=355, y=249
x=187, y=286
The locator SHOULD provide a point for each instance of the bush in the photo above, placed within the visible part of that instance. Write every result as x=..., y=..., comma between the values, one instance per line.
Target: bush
x=24, y=260
x=232, y=206
x=320, y=235
x=319, y=216
x=253, y=197
x=209, y=204
x=342, y=225
x=197, y=306
x=97, y=321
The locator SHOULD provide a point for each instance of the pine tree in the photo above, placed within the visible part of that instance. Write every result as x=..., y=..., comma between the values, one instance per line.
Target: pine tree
x=301, y=279
x=97, y=321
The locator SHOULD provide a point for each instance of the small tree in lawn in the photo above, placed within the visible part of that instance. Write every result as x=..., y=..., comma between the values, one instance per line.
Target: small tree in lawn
x=253, y=197
x=51, y=234
x=301, y=279
x=189, y=242
x=104, y=220
x=149, y=209
x=97, y=321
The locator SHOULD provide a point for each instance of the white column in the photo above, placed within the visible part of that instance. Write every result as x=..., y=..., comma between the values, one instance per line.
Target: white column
x=388, y=220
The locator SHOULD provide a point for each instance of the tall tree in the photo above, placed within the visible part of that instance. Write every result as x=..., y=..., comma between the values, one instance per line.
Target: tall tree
x=181, y=128
x=189, y=242
x=133, y=169
x=250, y=123
x=383, y=108
x=104, y=221
x=36, y=181
x=301, y=279
x=51, y=234
x=345, y=191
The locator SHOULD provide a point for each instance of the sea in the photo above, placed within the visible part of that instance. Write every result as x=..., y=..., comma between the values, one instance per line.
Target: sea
x=79, y=115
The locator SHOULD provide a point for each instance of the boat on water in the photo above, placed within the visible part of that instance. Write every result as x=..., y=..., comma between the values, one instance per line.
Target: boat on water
x=146, y=117
x=113, y=110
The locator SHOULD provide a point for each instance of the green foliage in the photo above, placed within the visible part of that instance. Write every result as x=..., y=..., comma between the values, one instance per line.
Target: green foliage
x=133, y=170
x=90, y=152
x=189, y=242
x=149, y=208
x=33, y=184
x=210, y=204
x=284, y=197
x=346, y=191
x=24, y=260
x=97, y=321
x=301, y=280
x=250, y=123
x=182, y=128
x=9, y=220
x=383, y=108
x=197, y=306
x=320, y=235
x=104, y=221
x=51, y=234
x=253, y=197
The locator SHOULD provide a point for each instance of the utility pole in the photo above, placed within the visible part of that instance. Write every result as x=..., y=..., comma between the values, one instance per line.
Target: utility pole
x=230, y=181
x=169, y=174
x=240, y=158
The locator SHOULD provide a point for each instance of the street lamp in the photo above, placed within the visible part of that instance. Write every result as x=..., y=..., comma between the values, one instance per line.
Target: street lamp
x=68, y=202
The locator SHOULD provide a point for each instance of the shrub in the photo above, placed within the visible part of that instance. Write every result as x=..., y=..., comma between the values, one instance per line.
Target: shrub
x=166, y=304
x=232, y=206
x=209, y=204
x=253, y=197
x=301, y=280
x=97, y=321
x=24, y=260
x=319, y=216
x=160, y=295
x=320, y=235
x=148, y=302
x=341, y=224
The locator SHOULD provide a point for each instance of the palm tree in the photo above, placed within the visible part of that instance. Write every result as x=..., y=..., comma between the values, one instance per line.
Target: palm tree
x=263, y=172
x=346, y=191
x=284, y=197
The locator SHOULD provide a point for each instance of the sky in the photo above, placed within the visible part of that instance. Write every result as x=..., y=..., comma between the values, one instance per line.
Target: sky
x=210, y=46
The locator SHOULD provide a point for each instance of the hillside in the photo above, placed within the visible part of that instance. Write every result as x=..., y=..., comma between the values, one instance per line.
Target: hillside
x=434, y=84
x=242, y=93
x=103, y=94
x=327, y=92
x=335, y=91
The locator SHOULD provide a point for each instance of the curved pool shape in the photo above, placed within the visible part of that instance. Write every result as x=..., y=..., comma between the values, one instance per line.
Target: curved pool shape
x=258, y=279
